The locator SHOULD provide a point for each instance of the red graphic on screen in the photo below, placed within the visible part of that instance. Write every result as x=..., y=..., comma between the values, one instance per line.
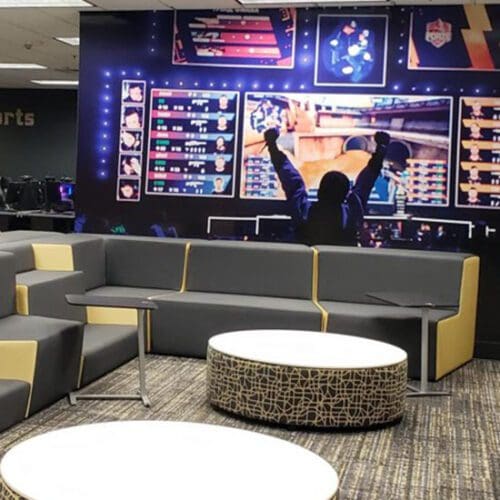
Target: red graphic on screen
x=235, y=38
x=438, y=33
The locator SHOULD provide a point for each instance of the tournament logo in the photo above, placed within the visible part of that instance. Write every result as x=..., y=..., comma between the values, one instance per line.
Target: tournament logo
x=438, y=33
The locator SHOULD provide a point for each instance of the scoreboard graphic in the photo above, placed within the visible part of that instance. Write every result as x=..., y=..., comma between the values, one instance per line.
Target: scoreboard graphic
x=324, y=132
x=245, y=38
x=478, y=164
x=192, y=143
x=455, y=38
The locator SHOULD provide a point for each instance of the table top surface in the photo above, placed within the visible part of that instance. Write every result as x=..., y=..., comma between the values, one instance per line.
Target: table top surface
x=155, y=459
x=110, y=301
x=412, y=299
x=39, y=213
x=307, y=349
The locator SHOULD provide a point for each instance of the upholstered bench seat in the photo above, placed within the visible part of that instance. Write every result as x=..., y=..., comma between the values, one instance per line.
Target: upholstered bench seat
x=106, y=347
x=41, y=293
x=57, y=357
x=349, y=276
x=396, y=325
x=14, y=396
x=189, y=319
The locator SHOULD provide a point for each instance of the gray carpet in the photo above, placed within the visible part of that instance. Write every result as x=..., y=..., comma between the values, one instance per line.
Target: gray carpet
x=445, y=448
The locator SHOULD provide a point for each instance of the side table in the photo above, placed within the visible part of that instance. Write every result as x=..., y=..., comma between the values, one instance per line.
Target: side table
x=425, y=303
x=122, y=303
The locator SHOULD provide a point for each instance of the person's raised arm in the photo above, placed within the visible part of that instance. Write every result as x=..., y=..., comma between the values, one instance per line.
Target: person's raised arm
x=290, y=178
x=367, y=177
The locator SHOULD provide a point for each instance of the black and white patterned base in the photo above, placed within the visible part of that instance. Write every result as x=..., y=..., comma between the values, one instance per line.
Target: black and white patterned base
x=7, y=494
x=316, y=397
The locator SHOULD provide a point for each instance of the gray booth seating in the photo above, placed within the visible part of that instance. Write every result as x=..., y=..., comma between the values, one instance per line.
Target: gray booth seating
x=41, y=352
x=23, y=235
x=135, y=267
x=116, y=266
x=235, y=285
x=41, y=293
x=14, y=397
x=347, y=274
x=106, y=345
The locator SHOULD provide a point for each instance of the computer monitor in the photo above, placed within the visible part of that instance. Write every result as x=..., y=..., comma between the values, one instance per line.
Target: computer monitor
x=13, y=194
x=4, y=184
x=67, y=192
x=31, y=194
x=52, y=193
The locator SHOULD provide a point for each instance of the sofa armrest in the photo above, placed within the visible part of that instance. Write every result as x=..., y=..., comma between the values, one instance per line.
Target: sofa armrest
x=18, y=361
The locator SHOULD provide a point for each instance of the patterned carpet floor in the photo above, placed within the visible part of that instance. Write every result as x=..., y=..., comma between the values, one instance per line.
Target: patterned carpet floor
x=445, y=448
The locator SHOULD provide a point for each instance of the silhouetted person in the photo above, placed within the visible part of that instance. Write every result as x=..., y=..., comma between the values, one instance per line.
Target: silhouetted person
x=337, y=215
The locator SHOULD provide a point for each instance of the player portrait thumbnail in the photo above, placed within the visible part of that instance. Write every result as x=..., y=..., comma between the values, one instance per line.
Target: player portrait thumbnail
x=221, y=185
x=130, y=141
x=223, y=102
x=351, y=50
x=133, y=91
x=128, y=190
x=220, y=144
x=220, y=163
x=132, y=117
x=474, y=177
x=222, y=123
x=130, y=165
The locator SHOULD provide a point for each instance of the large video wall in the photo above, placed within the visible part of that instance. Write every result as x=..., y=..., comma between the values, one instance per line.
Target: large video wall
x=173, y=108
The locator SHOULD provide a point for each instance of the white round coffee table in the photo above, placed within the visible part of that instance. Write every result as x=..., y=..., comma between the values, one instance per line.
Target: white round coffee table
x=307, y=378
x=153, y=459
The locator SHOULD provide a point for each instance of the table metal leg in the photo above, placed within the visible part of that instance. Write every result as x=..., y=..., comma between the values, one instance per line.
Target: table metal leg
x=423, y=389
x=141, y=336
x=142, y=396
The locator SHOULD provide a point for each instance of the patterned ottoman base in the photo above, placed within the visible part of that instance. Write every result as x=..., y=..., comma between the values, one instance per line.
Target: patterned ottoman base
x=6, y=494
x=298, y=395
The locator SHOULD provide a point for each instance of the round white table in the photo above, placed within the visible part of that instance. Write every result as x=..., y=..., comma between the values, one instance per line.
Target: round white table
x=170, y=460
x=307, y=378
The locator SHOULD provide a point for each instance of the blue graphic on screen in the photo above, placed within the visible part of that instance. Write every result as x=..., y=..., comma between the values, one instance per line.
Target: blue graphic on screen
x=351, y=50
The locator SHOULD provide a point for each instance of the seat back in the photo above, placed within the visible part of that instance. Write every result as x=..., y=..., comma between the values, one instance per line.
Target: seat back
x=23, y=253
x=73, y=252
x=347, y=274
x=251, y=268
x=144, y=262
x=7, y=284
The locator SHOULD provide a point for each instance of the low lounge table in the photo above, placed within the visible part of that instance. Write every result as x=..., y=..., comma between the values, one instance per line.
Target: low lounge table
x=307, y=378
x=122, y=303
x=171, y=460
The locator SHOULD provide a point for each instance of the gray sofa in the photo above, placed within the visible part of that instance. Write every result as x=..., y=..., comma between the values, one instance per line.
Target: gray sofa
x=207, y=287
x=347, y=275
x=233, y=286
x=117, y=266
x=40, y=355
x=41, y=290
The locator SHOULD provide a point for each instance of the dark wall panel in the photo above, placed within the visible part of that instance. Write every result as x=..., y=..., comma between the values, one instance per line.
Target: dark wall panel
x=38, y=132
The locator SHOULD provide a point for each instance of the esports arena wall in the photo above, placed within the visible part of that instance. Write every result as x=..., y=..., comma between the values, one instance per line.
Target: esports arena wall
x=173, y=106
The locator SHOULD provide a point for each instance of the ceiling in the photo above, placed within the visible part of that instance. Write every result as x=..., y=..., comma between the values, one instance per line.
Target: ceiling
x=27, y=34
